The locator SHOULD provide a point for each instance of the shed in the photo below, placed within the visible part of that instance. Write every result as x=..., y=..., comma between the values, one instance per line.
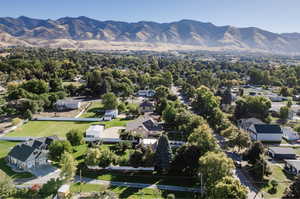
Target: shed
x=110, y=114
x=281, y=153
x=94, y=131
x=289, y=134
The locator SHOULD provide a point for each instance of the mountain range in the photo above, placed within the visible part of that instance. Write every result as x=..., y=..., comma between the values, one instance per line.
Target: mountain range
x=87, y=33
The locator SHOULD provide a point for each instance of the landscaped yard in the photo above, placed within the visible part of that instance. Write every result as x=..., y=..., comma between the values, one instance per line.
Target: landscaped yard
x=4, y=149
x=278, y=175
x=131, y=193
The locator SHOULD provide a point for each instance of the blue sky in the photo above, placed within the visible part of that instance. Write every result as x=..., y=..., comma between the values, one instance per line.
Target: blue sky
x=273, y=15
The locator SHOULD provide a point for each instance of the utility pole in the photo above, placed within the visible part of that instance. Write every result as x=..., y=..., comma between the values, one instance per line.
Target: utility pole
x=201, y=183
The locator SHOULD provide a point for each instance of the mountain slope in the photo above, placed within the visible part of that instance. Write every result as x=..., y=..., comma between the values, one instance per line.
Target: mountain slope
x=73, y=32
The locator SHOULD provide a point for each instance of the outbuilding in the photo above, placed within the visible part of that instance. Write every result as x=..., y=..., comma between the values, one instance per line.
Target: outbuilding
x=94, y=131
x=289, y=134
x=110, y=114
x=280, y=153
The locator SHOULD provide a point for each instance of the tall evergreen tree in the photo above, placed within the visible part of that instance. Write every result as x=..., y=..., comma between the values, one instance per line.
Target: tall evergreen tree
x=163, y=154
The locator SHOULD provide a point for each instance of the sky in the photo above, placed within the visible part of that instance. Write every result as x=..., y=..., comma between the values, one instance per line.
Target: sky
x=273, y=15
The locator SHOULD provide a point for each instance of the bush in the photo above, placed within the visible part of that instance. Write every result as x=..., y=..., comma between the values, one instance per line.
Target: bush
x=122, y=146
x=171, y=196
x=75, y=137
x=16, y=121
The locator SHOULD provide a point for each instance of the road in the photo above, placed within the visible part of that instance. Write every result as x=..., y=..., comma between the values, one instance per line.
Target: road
x=238, y=173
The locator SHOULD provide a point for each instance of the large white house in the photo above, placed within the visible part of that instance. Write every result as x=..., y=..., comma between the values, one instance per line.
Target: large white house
x=266, y=132
x=30, y=154
x=94, y=131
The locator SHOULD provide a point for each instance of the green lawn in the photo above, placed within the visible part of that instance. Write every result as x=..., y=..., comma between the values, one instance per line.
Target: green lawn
x=131, y=193
x=48, y=128
x=94, y=110
x=4, y=149
x=278, y=175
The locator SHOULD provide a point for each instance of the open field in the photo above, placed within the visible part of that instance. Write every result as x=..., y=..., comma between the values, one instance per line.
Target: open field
x=131, y=193
x=4, y=149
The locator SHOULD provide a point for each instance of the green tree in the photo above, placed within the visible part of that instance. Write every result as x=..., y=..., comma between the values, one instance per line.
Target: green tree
x=56, y=84
x=36, y=86
x=50, y=188
x=106, y=158
x=229, y=188
x=213, y=166
x=284, y=113
x=92, y=157
x=252, y=106
x=6, y=185
x=28, y=114
x=68, y=167
x=169, y=114
x=163, y=154
x=110, y=101
x=75, y=137
x=57, y=148
x=205, y=102
x=136, y=158
x=254, y=152
x=161, y=92
x=203, y=138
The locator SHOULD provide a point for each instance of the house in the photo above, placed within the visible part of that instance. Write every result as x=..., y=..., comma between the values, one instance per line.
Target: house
x=110, y=114
x=144, y=125
x=146, y=93
x=146, y=106
x=280, y=153
x=266, y=132
x=30, y=154
x=292, y=167
x=289, y=134
x=94, y=131
x=246, y=123
x=62, y=105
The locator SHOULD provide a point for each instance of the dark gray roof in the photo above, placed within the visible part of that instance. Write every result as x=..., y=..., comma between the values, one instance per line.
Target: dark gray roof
x=21, y=152
x=266, y=129
x=146, y=104
x=282, y=150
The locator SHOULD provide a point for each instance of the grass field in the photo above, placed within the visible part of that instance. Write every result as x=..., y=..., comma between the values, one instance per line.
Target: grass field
x=131, y=193
x=48, y=128
x=4, y=149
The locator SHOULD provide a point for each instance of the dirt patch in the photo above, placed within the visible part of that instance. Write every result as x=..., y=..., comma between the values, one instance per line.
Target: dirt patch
x=71, y=113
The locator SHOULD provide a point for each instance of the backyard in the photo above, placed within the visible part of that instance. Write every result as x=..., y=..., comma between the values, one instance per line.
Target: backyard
x=4, y=149
x=283, y=182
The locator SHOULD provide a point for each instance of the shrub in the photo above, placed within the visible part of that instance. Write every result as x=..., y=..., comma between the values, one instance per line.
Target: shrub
x=16, y=121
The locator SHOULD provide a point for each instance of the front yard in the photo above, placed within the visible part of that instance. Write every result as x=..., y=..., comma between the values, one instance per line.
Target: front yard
x=4, y=149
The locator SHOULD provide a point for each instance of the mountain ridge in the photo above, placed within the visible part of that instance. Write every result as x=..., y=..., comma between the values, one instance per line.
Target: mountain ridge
x=76, y=31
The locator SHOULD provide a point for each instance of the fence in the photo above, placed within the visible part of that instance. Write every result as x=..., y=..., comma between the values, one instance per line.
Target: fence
x=68, y=119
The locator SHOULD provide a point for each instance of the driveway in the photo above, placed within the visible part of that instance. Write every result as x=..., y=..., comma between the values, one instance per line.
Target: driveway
x=112, y=132
x=43, y=175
